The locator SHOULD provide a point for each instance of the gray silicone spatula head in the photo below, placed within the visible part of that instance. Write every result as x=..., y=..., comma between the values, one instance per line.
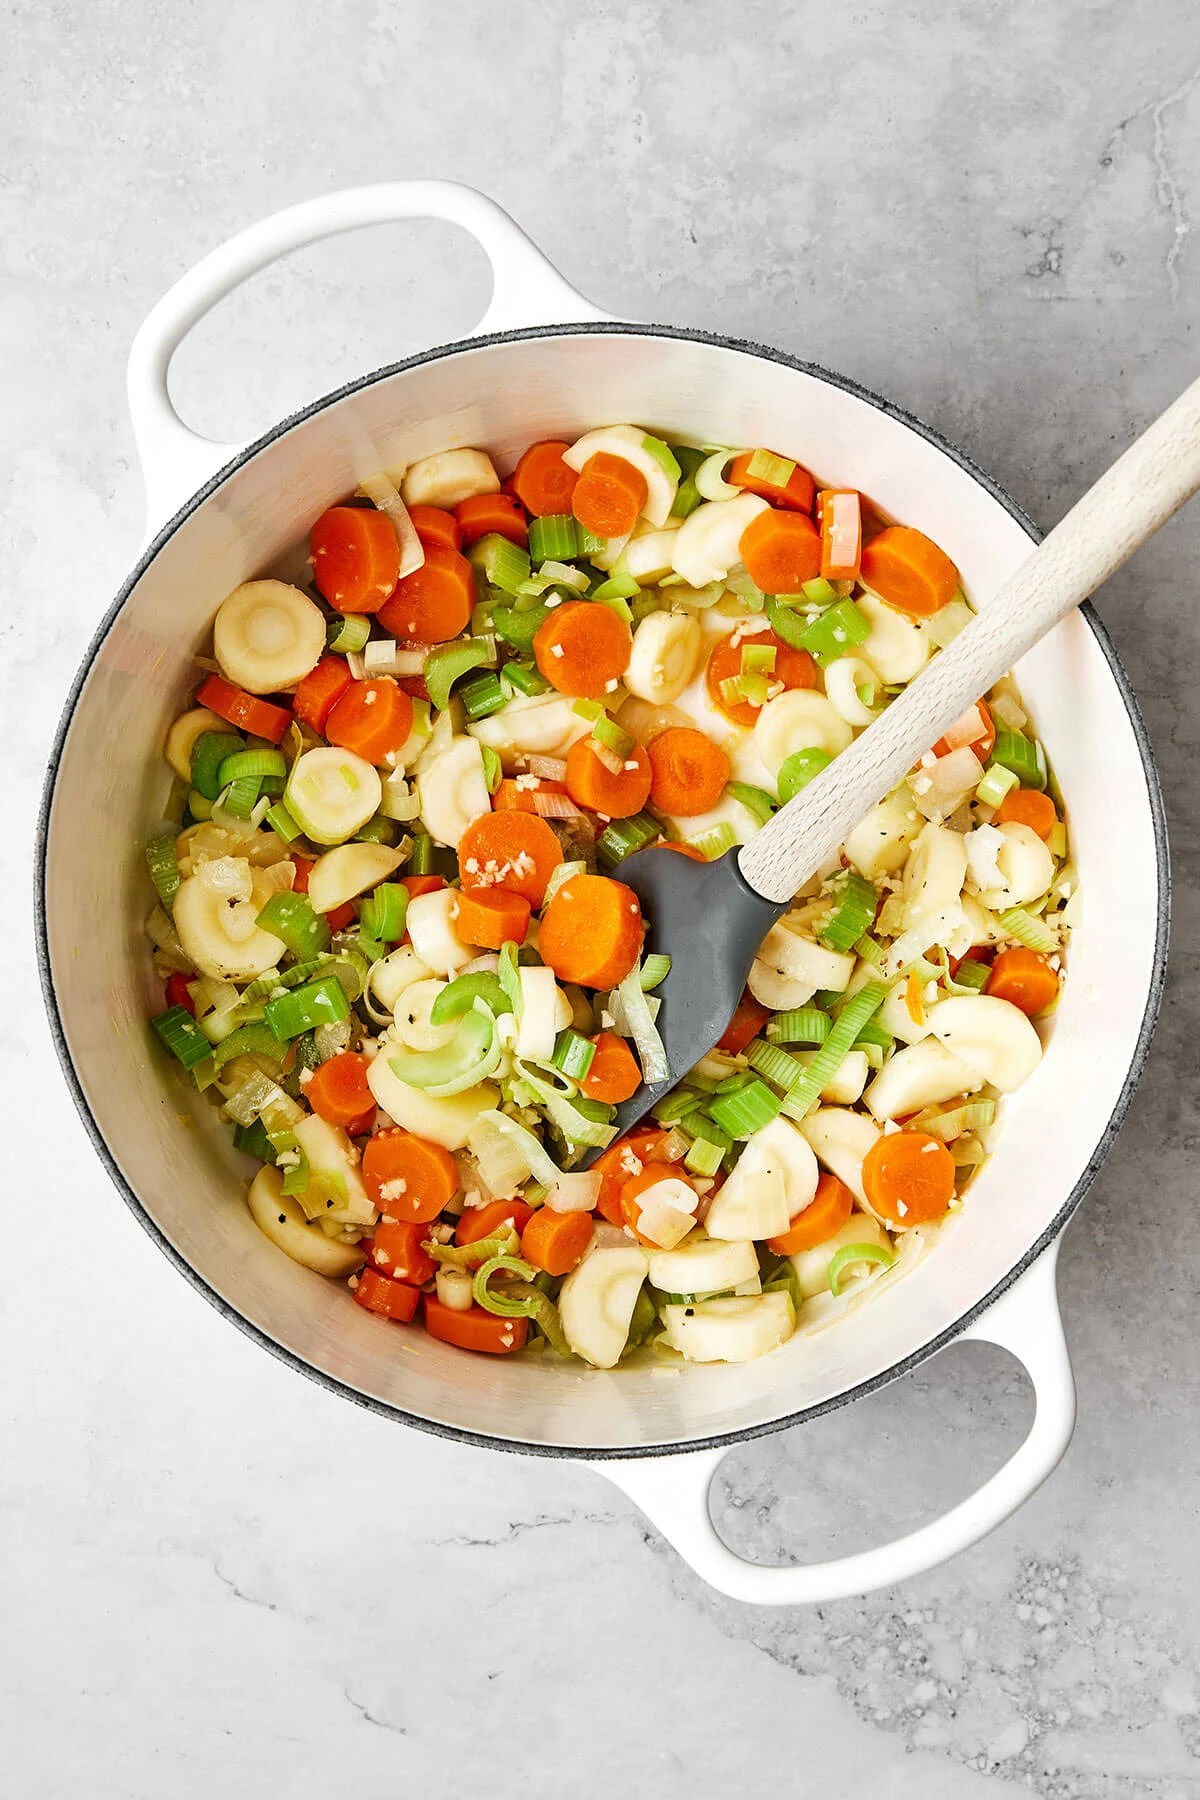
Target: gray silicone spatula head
x=710, y=918
x=710, y=921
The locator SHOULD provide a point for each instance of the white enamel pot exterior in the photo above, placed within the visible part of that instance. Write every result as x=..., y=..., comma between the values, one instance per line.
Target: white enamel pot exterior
x=546, y=364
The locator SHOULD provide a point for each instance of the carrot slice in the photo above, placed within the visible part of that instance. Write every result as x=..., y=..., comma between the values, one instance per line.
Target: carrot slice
x=436, y=529
x=583, y=649
x=591, y=932
x=542, y=481
x=338, y=1089
x=409, y=1179
x=908, y=1177
x=794, y=668
x=435, y=602
x=631, y=1194
x=259, y=717
x=355, y=558
x=616, y=1164
x=692, y=853
x=689, y=772
x=397, y=1249
x=372, y=718
x=1025, y=806
x=825, y=1213
x=976, y=730
x=908, y=570
x=491, y=512
x=396, y=1300
x=746, y=1023
x=489, y=917
x=321, y=689
x=781, y=551
x=485, y=1221
x=797, y=496
x=511, y=850
x=510, y=796
x=556, y=1241
x=840, y=513
x=1025, y=979
x=609, y=495
x=592, y=783
x=422, y=884
x=614, y=1074
x=474, y=1329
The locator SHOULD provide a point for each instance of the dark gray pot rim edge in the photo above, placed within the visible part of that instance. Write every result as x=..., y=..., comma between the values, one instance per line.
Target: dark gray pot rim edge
x=723, y=1439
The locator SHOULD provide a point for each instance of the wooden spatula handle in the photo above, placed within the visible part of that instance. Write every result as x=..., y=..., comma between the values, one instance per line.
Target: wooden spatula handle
x=1102, y=530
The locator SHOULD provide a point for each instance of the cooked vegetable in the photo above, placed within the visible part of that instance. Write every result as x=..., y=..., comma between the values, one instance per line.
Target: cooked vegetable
x=515, y=710
x=591, y=932
x=582, y=649
x=907, y=569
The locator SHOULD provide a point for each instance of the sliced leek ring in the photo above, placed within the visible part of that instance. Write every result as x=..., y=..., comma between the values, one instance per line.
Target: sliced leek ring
x=331, y=794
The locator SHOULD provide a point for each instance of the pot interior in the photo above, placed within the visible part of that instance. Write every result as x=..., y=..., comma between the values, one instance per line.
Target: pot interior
x=177, y=1163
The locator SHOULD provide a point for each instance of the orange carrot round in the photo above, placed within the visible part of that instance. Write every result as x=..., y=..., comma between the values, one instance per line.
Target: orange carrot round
x=372, y=718
x=631, y=1194
x=591, y=932
x=422, y=884
x=542, y=481
x=490, y=917
x=474, y=1329
x=688, y=772
x=556, y=1241
x=338, y=1089
x=689, y=850
x=246, y=711
x=409, y=1179
x=511, y=850
x=609, y=495
x=355, y=558
x=1024, y=978
x=322, y=687
x=797, y=495
x=396, y=1300
x=976, y=730
x=614, y=1074
x=398, y=1249
x=1025, y=806
x=616, y=1164
x=908, y=570
x=511, y=796
x=583, y=648
x=826, y=1213
x=436, y=529
x=485, y=1221
x=781, y=551
x=746, y=1023
x=435, y=602
x=491, y=512
x=908, y=1177
x=591, y=783
x=794, y=668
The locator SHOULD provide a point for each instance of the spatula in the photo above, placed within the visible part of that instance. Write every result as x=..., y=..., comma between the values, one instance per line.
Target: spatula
x=710, y=919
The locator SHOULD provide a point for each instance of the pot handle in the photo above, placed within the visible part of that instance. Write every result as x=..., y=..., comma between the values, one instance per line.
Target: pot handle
x=673, y=1491
x=527, y=290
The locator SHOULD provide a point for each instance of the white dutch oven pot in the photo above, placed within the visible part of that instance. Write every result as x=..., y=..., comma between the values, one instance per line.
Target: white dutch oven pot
x=546, y=364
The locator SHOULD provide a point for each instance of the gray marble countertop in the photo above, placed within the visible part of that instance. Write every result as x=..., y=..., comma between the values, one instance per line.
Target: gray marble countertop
x=217, y=1578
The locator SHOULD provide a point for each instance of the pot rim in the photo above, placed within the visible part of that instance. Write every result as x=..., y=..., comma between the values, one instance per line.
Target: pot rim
x=483, y=1439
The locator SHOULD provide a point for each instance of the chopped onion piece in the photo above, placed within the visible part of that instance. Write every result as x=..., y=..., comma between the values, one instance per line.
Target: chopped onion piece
x=382, y=490
x=574, y=1193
